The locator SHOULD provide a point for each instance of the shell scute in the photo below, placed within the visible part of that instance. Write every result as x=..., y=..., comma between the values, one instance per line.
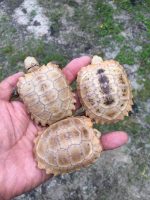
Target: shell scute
x=64, y=94
x=75, y=135
x=39, y=77
x=76, y=155
x=51, y=158
x=54, y=74
x=85, y=134
x=53, y=143
x=86, y=148
x=44, y=114
x=31, y=99
x=27, y=90
x=36, y=108
x=64, y=139
x=60, y=83
x=49, y=97
x=63, y=158
x=43, y=87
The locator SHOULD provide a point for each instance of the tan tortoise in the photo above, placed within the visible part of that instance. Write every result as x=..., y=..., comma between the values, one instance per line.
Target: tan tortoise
x=45, y=92
x=67, y=146
x=104, y=91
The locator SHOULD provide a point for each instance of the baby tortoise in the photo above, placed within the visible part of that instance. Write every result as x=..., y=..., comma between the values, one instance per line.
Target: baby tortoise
x=45, y=92
x=67, y=146
x=104, y=91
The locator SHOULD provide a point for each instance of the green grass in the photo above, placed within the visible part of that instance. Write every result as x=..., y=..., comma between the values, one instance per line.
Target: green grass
x=137, y=12
x=53, y=14
x=145, y=58
x=144, y=94
x=42, y=51
x=17, y=52
x=84, y=19
x=100, y=21
x=33, y=13
x=129, y=125
x=7, y=49
x=14, y=53
x=126, y=56
x=144, y=72
x=147, y=119
x=107, y=26
x=124, y=4
x=142, y=5
x=119, y=38
x=72, y=3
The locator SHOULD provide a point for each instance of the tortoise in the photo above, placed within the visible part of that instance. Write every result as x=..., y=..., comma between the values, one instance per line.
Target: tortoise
x=67, y=146
x=45, y=92
x=104, y=91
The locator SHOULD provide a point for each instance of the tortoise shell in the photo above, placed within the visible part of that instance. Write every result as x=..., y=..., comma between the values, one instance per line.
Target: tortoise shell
x=67, y=146
x=104, y=91
x=46, y=93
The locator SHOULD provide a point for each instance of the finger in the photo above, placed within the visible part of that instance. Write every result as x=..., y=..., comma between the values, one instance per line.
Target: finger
x=7, y=86
x=113, y=140
x=74, y=66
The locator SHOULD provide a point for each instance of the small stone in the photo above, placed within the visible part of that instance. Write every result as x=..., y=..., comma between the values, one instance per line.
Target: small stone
x=36, y=23
x=24, y=10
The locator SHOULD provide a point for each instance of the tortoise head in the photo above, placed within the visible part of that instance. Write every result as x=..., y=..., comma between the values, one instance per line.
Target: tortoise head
x=96, y=60
x=31, y=64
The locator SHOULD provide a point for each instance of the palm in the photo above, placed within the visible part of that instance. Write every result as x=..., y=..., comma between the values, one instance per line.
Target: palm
x=17, y=147
x=17, y=132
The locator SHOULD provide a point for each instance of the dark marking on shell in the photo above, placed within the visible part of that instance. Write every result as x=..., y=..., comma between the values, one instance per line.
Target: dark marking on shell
x=104, y=84
x=104, y=81
x=43, y=87
x=108, y=100
x=105, y=88
x=99, y=71
x=91, y=101
x=121, y=79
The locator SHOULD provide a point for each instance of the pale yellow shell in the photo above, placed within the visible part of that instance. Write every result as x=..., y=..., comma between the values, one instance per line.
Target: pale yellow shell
x=104, y=91
x=67, y=146
x=46, y=94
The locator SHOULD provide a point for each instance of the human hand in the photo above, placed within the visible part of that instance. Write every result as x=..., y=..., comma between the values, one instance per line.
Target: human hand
x=18, y=170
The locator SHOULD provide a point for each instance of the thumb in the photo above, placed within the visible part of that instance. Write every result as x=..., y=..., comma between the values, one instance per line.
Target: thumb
x=7, y=86
x=114, y=140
